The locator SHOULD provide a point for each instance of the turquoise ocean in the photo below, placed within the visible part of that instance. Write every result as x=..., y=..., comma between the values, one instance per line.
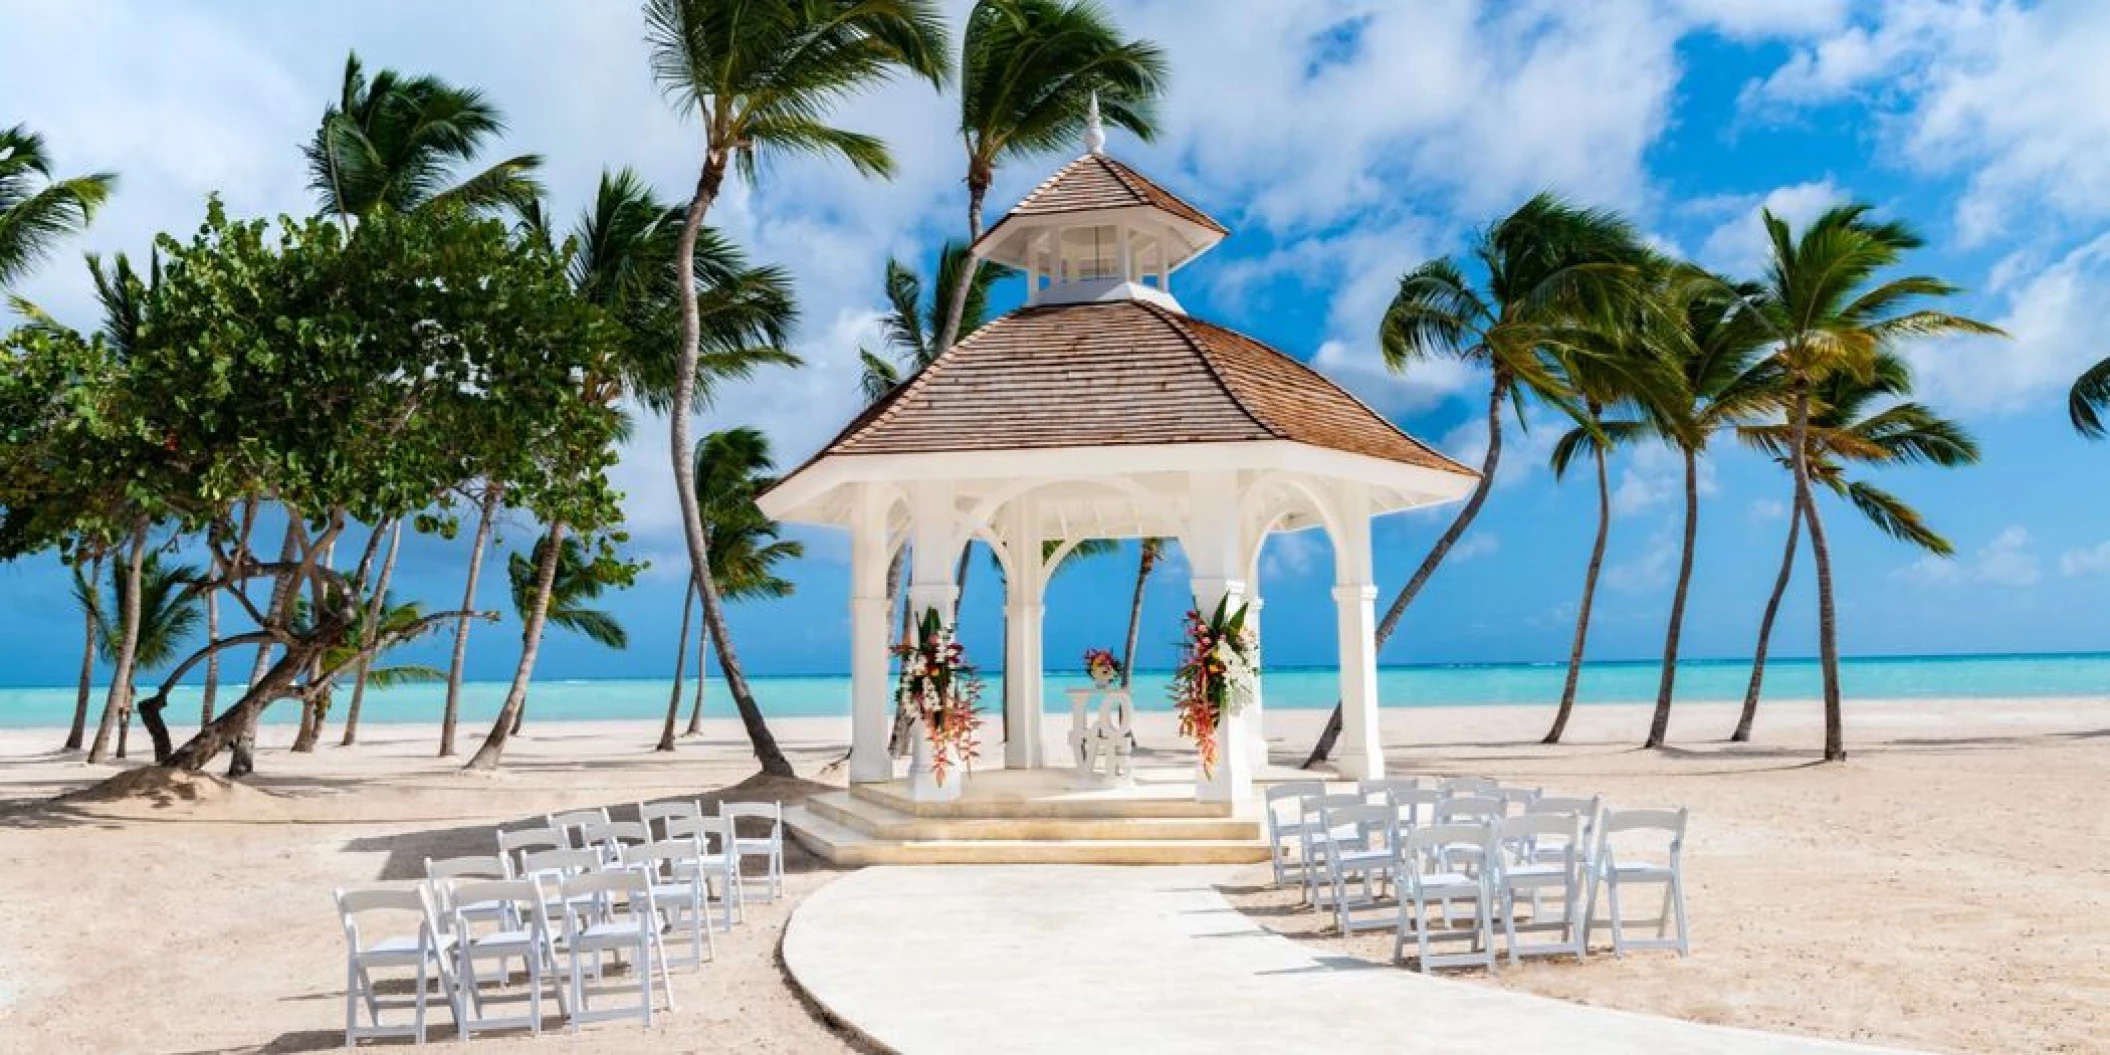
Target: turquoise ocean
x=1452, y=685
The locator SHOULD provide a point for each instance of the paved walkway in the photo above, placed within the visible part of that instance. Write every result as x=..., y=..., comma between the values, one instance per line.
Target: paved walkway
x=1084, y=958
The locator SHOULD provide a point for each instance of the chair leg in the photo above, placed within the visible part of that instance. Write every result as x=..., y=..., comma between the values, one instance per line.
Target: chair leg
x=1509, y=923
x=351, y=1002
x=1677, y=886
x=418, y=1025
x=1618, y=931
x=1663, y=914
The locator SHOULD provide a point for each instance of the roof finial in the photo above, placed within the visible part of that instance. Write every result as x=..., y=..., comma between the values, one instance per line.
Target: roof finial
x=1094, y=132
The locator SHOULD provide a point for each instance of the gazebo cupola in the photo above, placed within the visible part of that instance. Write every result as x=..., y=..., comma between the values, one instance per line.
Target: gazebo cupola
x=1099, y=231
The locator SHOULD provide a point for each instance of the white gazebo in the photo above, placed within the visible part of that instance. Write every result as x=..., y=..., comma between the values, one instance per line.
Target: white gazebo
x=1102, y=410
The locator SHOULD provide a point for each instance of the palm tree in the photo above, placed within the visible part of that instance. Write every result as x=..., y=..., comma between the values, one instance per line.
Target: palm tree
x=1148, y=551
x=746, y=547
x=35, y=209
x=1829, y=315
x=575, y=580
x=1599, y=436
x=394, y=142
x=363, y=672
x=1032, y=72
x=732, y=467
x=168, y=614
x=1858, y=421
x=2089, y=400
x=760, y=76
x=90, y=601
x=1710, y=332
x=1554, y=272
x=486, y=512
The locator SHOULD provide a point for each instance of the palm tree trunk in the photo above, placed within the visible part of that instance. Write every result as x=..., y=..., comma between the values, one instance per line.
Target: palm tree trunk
x=766, y=750
x=1666, y=687
x=212, y=662
x=1488, y=463
x=119, y=702
x=681, y=660
x=956, y=304
x=1146, y=559
x=1589, y=597
x=1765, y=634
x=452, y=714
x=241, y=755
x=703, y=677
x=486, y=757
x=1820, y=553
x=684, y=397
x=78, y=733
x=375, y=608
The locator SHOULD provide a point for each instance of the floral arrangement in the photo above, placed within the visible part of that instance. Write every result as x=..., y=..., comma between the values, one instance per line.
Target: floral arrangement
x=1215, y=676
x=940, y=689
x=1102, y=666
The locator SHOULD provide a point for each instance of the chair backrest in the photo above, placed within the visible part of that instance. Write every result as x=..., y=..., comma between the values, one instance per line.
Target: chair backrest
x=655, y=815
x=1376, y=790
x=1664, y=823
x=612, y=886
x=514, y=843
x=773, y=812
x=660, y=859
x=523, y=896
x=1515, y=800
x=1416, y=806
x=415, y=902
x=570, y=823
x=1528, y=837
x=612, y=836
x=561, y=863
x=1376, y=826
x=1465, y=785
x=1291, y=791
x=1315, y=806
x=1425, y=842
x=466, y=868
x=1585, y=808
x=1469, y=807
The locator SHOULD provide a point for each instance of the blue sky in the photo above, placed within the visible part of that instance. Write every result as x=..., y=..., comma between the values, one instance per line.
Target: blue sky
x=1342, y=142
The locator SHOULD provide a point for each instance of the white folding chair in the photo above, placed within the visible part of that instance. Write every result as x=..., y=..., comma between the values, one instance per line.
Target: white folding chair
x=1516, y=800
x=626, y=922
x=571, y=825
x=523, y=933
x=1465, y=785
x=1283, y=834
x=1541, y=856
x=1613, y=868
x=1584, y=809
x=769, y=846
x=1360, y=846
x=611, y=838
x=1416, y=806
x=1423, y=879
x=714, y=864
x=426, y=949
x=655, y=815
x=548, y=869
x=1378, y=790
x=680, y=892
x=511, y=845
x=1312, y=835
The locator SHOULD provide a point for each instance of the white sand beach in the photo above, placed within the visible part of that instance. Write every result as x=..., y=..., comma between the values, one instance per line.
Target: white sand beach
x=1946, y=888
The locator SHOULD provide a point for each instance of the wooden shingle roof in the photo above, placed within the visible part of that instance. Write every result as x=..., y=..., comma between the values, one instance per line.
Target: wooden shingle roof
x=1096, y=181
x=1114, y=374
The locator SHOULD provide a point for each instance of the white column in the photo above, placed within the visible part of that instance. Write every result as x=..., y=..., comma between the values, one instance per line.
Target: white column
x=1214, y=558
x=871, y=697
x=1256, y=712
x=937, y=540
x=1360, y=753
x=1022, y=639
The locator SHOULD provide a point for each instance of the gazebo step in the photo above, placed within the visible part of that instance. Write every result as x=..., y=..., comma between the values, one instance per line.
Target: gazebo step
x=871, y=818
x=845, y=846
x=1046, y=794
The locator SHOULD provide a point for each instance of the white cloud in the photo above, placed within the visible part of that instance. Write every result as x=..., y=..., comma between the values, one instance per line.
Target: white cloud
x=1655, y=475
x=1739, y=248
x=2010, y=559
x=1524, y=450
x=2052, y=319
x=1766, y=510
x=2087, y=560
x=1474, y=545
x=2011, y=95
x=1649, y=570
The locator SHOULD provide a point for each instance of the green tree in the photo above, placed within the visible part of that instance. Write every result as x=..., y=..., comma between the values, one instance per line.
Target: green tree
x=760, y=77
x=2089, y=399
x=579, y=580
x=746, y=548
x=1867, y=422
x=1712, y=335
x=168, y=615
x=1031, y=74
x=1554, y=273
x=36, y=211
x=396, y=142
x=1831, y=312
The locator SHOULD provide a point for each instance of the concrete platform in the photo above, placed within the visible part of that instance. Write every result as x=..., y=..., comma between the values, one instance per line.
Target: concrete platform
x=1065, y=959
x=1031, y=817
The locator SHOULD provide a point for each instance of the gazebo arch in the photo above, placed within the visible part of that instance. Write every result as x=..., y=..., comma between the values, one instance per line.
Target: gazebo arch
x=1101, y=384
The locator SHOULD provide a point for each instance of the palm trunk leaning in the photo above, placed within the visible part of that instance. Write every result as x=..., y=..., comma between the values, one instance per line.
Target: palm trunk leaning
x=494, y=744
x=1820, y=553
x=1589, y=597
x=978, y=180
x=681, y=659
x=1497, y=395
x=1667, y=683
x=241, y=758
x=119, y=701
x=452, y=715
x=1146, y=559
x=91, y=613
x=703, y=677
x=375, y=608
x=212, y=662
x=1765, y=634
x=765, y=743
